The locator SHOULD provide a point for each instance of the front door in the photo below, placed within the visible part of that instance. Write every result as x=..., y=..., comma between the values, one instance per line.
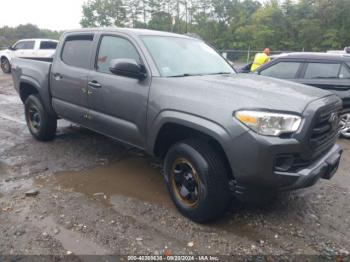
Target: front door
x=25, y=49
x=118, y=104
x=69, y=76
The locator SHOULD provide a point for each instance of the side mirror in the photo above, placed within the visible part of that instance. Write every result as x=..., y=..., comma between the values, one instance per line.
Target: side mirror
x=128, y=68
x=12, y=48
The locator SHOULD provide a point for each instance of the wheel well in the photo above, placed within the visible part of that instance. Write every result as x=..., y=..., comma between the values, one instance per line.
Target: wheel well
x=2, y=57
x=25, y=90
x=171, y=133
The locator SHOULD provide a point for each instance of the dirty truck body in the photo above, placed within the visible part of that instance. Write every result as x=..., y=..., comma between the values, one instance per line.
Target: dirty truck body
x=218, y=132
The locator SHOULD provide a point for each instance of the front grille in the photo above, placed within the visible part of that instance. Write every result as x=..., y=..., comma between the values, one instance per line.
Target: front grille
x=325, y=129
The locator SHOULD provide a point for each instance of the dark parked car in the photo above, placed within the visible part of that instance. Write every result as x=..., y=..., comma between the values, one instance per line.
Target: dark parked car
x=323, y=70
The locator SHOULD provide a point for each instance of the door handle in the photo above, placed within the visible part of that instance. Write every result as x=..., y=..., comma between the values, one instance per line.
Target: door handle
x=94, y=84
x=57, y=76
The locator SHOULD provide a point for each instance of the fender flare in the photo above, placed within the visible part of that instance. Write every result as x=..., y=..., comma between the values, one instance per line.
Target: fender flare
x=206, y=126
x=43, y=97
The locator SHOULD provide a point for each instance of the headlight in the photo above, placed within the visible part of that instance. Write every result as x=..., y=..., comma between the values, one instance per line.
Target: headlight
x=269, y=124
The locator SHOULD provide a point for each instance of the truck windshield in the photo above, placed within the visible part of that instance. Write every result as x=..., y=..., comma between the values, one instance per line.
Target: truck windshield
x=181, y=57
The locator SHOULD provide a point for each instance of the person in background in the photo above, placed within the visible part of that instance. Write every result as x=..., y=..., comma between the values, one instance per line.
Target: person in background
x=260, y=59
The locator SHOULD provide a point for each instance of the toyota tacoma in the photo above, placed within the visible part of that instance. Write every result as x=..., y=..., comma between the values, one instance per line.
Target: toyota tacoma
x=220, y=134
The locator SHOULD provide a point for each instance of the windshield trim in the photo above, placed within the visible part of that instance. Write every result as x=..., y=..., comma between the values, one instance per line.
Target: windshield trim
x=181, y=37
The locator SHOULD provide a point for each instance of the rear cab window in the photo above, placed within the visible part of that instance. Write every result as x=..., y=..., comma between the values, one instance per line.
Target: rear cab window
x=77, y=49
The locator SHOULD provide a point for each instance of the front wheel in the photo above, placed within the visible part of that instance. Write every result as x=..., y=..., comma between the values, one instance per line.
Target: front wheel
x=41, y=125
x=197, y=180
x=5, y=66
x=345, y=125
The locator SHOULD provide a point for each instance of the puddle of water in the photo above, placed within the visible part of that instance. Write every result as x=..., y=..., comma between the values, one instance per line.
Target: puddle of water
x=131, y=177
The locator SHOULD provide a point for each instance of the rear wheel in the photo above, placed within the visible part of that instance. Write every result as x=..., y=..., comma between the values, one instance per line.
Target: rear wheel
x=41, y=125
x=197, y=180
x=345, y=125
x=5, y=66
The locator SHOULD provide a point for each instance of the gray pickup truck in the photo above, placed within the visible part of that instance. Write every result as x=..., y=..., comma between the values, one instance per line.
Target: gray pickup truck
x=220, y=134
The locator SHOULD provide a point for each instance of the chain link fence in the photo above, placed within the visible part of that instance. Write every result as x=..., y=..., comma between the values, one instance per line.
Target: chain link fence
x=241, y=57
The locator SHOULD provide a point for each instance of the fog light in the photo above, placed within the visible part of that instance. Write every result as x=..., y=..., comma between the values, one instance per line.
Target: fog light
x=284, y=162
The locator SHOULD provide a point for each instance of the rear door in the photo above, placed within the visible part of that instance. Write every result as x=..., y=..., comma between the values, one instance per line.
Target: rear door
x=46, y=48
x=118, y=104
x=329, y=75
x=69, y=76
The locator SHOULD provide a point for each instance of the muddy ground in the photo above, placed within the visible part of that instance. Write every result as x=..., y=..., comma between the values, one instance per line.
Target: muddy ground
x=99, y=197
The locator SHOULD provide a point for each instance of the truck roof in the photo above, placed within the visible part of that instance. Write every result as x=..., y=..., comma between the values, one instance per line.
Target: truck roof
x=129, y=31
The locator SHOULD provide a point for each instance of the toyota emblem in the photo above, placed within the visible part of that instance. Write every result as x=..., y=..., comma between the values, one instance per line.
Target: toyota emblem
x=334, y=121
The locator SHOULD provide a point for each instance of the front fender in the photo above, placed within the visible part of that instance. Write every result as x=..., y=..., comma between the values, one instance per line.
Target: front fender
x=6, y=55
x=197, y=123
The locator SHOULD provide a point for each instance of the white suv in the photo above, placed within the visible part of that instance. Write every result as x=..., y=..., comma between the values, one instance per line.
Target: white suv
x=27, y=48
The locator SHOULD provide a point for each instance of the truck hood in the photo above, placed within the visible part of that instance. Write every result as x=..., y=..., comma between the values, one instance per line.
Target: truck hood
x=249, y=91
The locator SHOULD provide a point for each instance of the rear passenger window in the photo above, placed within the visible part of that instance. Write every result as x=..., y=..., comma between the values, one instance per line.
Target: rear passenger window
x=113, y=47
x=48, y=45
x=344, y=72
x=284, y=70
x=77, y=51
x=322, y=70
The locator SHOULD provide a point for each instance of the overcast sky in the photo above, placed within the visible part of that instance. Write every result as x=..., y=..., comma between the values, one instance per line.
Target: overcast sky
x=48, y=14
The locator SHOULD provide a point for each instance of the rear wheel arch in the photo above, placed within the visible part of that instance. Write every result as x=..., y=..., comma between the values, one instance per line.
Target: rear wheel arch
x=26, y=89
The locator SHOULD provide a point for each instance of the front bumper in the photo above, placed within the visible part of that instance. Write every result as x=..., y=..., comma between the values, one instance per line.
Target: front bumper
x=325, y=168
x=263, y=181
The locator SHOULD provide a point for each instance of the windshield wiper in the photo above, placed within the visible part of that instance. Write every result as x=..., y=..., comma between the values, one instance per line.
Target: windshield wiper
x=325, y=77
x=221, y=73
x=185, y=75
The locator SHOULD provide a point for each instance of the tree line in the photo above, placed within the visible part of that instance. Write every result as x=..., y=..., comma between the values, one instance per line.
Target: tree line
x=9, y=35
x=309, y=25
x=304, y=25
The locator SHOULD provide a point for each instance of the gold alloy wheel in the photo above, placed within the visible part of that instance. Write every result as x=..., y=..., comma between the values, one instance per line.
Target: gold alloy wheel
x=185, y=182
x=34, y=118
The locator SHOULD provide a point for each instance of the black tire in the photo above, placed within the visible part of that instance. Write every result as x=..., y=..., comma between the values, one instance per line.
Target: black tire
x=213, y=195
x=5, y=65
x=41, y=125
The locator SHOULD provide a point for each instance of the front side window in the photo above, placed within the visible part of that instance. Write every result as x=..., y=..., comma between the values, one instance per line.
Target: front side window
x=175, y=56
x=322, y=70
x=77, y=51
x=283, y=70
x=45, y=45
x=19, y=46
x=25, y=45
x=113, y=47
